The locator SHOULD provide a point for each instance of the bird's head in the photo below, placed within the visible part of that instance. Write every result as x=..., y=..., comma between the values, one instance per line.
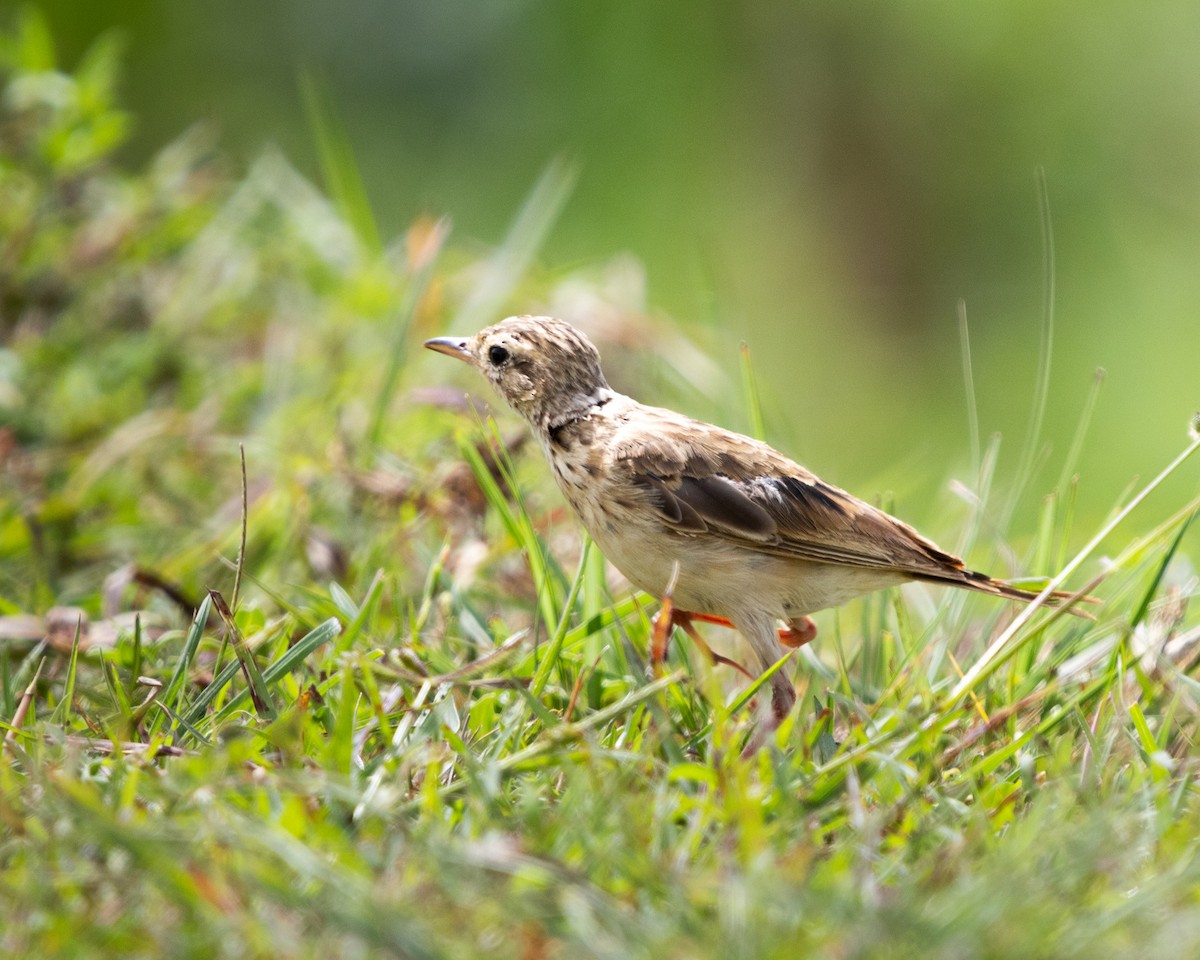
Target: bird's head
x=547, y=370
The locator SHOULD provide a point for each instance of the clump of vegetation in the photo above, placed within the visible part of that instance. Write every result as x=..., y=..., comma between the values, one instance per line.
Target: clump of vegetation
x=366, y=692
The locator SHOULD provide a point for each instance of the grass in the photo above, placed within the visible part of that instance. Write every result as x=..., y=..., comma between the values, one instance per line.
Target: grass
x=378, y=698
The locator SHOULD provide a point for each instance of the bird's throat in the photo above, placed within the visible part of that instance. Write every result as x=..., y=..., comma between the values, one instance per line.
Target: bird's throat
x=557, y=426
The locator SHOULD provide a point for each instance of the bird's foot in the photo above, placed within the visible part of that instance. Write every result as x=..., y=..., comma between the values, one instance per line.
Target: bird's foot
x=684, y=622
x=668, y=618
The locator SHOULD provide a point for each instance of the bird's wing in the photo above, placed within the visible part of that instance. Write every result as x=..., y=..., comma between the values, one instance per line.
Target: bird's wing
x=705, y=481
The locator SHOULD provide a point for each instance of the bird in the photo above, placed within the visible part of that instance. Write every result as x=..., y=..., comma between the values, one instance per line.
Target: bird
x=721, y=526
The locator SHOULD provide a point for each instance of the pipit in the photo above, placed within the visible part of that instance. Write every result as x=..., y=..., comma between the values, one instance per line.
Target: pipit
x=723, y=527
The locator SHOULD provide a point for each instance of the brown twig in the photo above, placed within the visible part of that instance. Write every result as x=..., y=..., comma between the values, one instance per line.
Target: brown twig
x=579, y=682
x=18, y=717
x=241, y=557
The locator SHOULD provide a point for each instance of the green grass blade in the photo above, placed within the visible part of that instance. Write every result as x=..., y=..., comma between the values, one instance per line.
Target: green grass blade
x=364, y=612
x=274, y=672
x=176, y=719
x=62, y=715
x=414, y=294
x=746, y=695
x=526, y=235
x=751, y=396
x=1081, y=431
x=987, y=663
x=174, y=693
x=259, y=694
x=518, y=525
x=1037, y=413
x=342, y=176
x=554, y=648
x=964, y=342
x=1144, y=607
x=210, y=692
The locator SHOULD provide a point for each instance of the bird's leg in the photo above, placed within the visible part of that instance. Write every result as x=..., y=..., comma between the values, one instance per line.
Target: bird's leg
x=668, y=618
x=660, y=632
x=664, y=620
x=684, y=622
x=783, y=697
x=709, y=618
x=761, y=634
x=798, y=632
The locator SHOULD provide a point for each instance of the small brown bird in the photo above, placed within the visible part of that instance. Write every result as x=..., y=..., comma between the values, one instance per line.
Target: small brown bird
x=722, y=526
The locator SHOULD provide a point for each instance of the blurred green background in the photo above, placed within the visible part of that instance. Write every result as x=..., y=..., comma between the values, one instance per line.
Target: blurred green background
x=823, y=180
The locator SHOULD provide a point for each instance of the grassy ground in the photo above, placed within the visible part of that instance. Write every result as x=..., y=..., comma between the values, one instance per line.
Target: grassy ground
x=413, y=716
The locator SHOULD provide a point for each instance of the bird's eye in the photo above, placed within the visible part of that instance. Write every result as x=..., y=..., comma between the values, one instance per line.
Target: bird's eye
x=497, y=355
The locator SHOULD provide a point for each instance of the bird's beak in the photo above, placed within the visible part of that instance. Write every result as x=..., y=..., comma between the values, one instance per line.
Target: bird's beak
x=452, y=347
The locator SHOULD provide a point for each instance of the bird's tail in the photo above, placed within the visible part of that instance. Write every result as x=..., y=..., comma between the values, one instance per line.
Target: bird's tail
x=982, y=583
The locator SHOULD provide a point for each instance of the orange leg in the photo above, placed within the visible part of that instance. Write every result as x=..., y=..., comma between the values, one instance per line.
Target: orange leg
x=684, y=622
x=709, y=618
x=798, y=632
x=668, y=618
x=660, y=632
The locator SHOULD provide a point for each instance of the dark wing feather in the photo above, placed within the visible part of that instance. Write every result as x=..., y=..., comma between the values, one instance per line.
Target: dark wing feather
x=723, y=504
x=708, y=481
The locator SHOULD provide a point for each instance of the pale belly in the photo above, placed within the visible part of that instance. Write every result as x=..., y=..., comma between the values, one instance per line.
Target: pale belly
x=723, y=579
